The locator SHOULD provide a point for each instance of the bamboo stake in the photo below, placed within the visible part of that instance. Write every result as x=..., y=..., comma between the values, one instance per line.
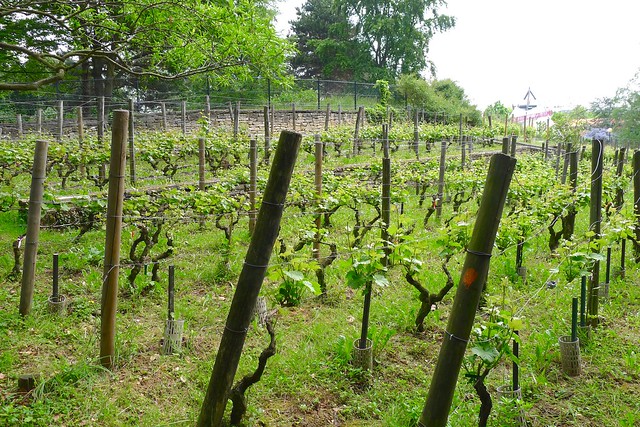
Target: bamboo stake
x=465, y=304
x=250, y=281
x=595, y=219
x=112, y=240
x=33, y=227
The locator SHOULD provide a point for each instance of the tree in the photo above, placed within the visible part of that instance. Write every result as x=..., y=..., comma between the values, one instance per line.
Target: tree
x=326, y=43
x=42, y=42
x=397, y=32
x=497, y=110
x=368, y=39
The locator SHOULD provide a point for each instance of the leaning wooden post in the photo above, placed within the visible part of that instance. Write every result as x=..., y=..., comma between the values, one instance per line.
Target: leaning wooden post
x=505, y=145
x=440, y=196
x=465, y=303
x=318, y=184
x=253, y=183
x=267, y=136
x=132, y=151
x=202, y=153
x=60, y=120
x=33, y=227
x=595, y=219
x=356, y=133
x=558, y=152
x=112, y=239
x=250, y=281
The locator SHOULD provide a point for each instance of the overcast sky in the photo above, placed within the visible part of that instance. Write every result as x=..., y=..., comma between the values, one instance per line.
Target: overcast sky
x=569, y=52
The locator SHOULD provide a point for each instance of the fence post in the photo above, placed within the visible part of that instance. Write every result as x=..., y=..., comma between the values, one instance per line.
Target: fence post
x=81, y=140
x=207, y=110
x=293, y=115
x=100, y=119
x=39, y=121
x=250, y=281
x=236, y=121
x=19, y=124
x=33, y=226
x=440, y=196
x=318, y=185
x=327, y=118
x=112, y=238
x=469, y=291
x=202, y=153
x=416, y=134
x=163, y=108
x=183, y=110
x=339, y=114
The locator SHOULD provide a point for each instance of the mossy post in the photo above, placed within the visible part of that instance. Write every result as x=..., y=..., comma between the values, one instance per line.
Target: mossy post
x=465, y=304
x=38, y=176
x=112, y=239
x=250, y=281
x=595, y=220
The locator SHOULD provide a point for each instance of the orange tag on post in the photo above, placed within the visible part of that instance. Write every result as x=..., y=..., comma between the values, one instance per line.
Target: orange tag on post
x=469, y=277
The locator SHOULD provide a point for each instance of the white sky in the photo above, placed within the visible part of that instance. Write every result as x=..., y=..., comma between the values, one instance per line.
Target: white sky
x=569, y=52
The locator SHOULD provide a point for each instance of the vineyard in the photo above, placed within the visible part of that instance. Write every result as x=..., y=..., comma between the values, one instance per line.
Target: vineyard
x=375, y=230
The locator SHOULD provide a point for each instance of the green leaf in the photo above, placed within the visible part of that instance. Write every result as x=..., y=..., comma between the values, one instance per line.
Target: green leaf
x=486, y=354
x=380, y=280
x=294, y=275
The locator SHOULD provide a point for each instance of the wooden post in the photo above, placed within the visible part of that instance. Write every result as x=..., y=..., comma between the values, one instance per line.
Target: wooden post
x=356, y=133
x=112, y=238
x=386, y=194
x=505, y=145
x=463, y=153
x=506, y=124
x=619, y=200
x=250, y=281
x=293, y=115
x=327, y=118
x=183, y=111
x=60, y=120
x=514, y=139
x=636, y=199
x=558, y=152
x=318, y=185
x=83, y=171
x=163, y=108
x=19, y=124
x=253, y=183
x=236, y=121
x=101, y=126
x=595, y=219
x=132, y=151
x=267, y=136
x=33, y=227
x=443, y=157
x=39, y=121
x=202, y=152
x=416, y=134
x=339, y=114
x=231, y=114
x=465, y=304
x=565, y=166
x=207, y=110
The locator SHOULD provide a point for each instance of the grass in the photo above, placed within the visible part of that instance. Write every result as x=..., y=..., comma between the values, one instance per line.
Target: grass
x=310, y=380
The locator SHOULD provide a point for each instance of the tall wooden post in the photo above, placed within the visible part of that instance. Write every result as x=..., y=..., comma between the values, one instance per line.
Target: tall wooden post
x=327, y=118
x=33, y=227
x=636, y=199
x=267, y=136
x=465, y=303
x=386, y=194
x=183, y=116
x=595, y=220
x=356, y=133
x=318, y=185
x=112, y=238
x=39, y=121
x=207, y=110
x=505, y=145
x=60, y=120
x=253, y=183
x=514, y=139
x=236, y=121
x=250, y=281
x=163, y=109
x=19, y=125
x=101, y=125
x=339, y=114
x=293, y=115
x=202, y=153
x=443, y=157
x=416, y=134
x=132, y=151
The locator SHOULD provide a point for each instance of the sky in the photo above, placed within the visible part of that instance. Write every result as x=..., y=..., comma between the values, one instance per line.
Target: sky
x=569, y=52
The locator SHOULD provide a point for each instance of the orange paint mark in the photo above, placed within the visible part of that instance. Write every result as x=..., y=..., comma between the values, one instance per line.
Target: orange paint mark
x=469, y=277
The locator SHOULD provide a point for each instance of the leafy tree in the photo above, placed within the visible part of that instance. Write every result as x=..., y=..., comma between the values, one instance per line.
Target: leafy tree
x=142, y=38
x=369, y=39
x=621, y=112
x=326, y=43
x=498, y=110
